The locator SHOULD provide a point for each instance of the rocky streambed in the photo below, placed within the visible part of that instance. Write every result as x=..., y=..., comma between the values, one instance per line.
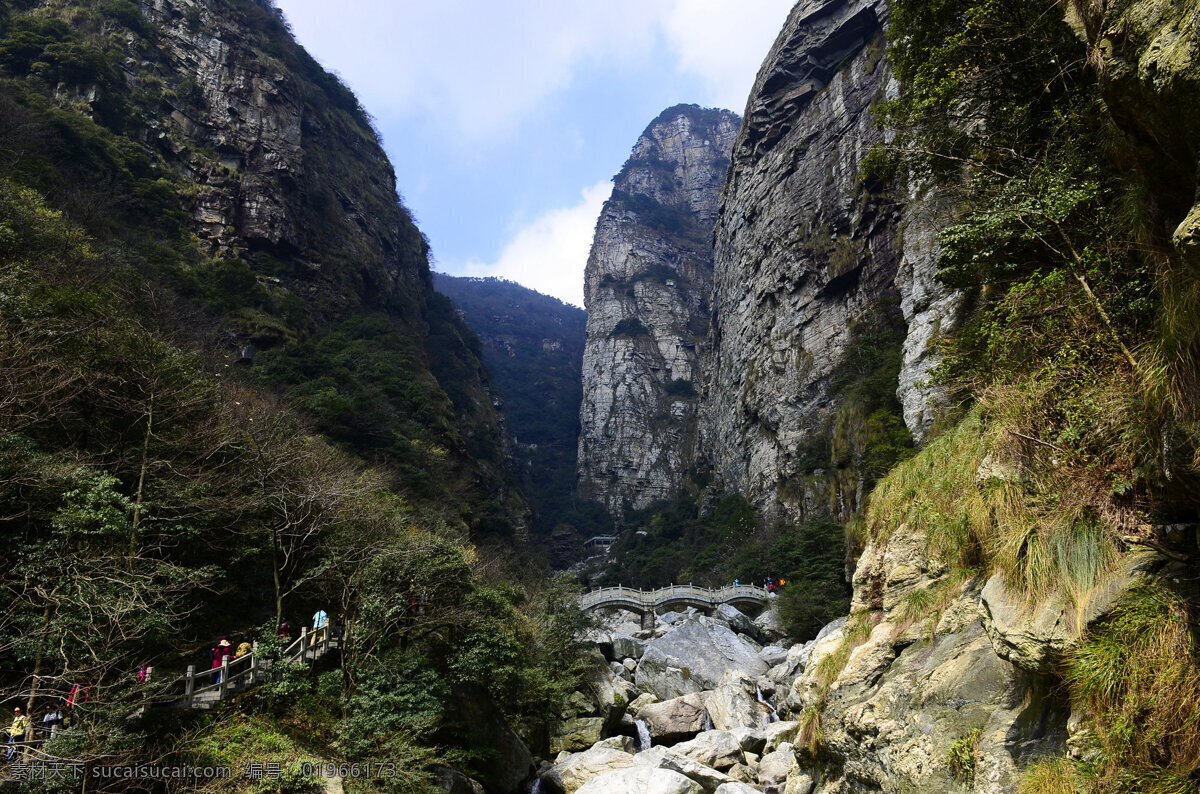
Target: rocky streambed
x=685, y=708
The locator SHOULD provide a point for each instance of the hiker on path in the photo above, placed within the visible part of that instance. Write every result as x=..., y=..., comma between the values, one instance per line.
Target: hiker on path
x=220, y=653
x=243, y=650
x=320, y=619
x=50, y=722
x=16, y=732
x=285, y=631
x=143, y=673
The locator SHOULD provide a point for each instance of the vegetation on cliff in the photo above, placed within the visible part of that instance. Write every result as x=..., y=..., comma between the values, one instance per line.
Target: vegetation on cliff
x=203, y=431
x=1073, y=360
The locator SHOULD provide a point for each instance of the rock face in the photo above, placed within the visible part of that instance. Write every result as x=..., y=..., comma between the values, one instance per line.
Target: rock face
x=695, y=657
x=804, y=251
x=930, y=308
x=647, y=288
x=913, y=686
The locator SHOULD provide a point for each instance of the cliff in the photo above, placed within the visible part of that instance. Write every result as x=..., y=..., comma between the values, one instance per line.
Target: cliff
x=646, y=289
x=805, y=264
x=255, y=200
x=533, y=347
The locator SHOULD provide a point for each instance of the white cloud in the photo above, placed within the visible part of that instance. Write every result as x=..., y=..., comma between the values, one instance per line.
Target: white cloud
x=477, y=69
x=549, y=253
x=724, y=43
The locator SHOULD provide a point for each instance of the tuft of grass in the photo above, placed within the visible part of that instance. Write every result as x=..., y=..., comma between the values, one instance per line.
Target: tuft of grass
x=1137, y=678
x=857, y=630
x=928, y=603
x=963, y=757
x=1052, y=776
x=1049, y=529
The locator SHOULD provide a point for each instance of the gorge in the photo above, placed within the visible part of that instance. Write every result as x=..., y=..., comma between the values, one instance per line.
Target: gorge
x=915, y=340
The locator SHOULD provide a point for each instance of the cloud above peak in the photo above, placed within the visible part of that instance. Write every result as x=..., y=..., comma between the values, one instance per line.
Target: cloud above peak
x=547, y=254
x=480, y=68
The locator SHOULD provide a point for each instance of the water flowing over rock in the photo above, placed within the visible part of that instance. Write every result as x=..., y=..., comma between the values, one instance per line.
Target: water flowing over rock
x=646, y=288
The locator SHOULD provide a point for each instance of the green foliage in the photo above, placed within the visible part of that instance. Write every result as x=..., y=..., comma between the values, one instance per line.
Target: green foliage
x=962, y=757
x=631, y=327
x=1138, y=679
x=681, y=387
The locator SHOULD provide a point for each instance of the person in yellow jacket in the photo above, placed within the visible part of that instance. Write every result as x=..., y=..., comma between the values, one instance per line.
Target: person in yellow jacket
x=16, y=731
x=242, y=650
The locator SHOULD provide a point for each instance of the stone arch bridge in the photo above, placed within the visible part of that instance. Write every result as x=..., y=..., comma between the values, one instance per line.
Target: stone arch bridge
x=648, y=603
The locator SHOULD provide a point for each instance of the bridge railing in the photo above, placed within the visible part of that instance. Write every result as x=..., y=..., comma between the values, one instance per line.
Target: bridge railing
x=615, y=596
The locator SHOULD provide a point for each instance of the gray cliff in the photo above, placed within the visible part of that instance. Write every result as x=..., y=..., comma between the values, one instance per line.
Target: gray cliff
x=805, y=250
x=647, y=289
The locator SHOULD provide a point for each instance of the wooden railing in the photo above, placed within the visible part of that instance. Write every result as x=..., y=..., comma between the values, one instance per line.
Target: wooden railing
x=201, y=689
x=676, y=593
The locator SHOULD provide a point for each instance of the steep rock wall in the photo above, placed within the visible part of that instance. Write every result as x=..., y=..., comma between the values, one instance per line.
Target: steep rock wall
x=647, y=287
x=804, y=251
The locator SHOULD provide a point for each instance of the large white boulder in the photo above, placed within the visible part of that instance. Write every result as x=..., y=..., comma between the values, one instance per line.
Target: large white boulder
x=572, y=771
x=718, y=749
x=694, y=657
x=640, y=780
x=708, y=778
x=734, y=703
x=676, y=719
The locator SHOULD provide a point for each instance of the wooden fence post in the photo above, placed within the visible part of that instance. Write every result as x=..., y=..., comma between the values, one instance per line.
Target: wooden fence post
x=254, y=663
x=303, y=643
x=189, y=684
x=224, y=678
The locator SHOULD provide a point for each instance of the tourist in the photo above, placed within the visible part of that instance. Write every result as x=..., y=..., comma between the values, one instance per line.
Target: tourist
x=285, y=631
x=143, y=673
x=220, y=653
x=320, y=618
x=50, y=722
x=242, y=650
x=16, y=731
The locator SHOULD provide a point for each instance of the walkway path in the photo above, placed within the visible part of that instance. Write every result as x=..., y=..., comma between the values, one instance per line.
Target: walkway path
x=205, y=689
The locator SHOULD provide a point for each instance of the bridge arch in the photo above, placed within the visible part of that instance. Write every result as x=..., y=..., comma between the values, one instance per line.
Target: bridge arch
x=649, y=603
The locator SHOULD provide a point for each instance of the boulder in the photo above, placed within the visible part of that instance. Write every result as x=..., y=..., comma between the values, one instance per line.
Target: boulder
x=735, y=619
x=773, y=655
x=769, y=626
x=830, y=627
x=750, y=740
x=777, y=733
x=670, y=618
x=630, y=665
x=694, y=657
x=774, y=767
x=611, y=693
x=452, y=781
x=736, y=788
x=1036, y=637
x=578, y=733
x=733, y=704
x=675, y=720
x=798, y=782
x=718, y=749
x=619, y=670
x=741, y=774
x=626, y=646
x=571, y=772
x=708, y=778
x=641, y=701
x=640, y=780
x=625, y=744
x=578, y=705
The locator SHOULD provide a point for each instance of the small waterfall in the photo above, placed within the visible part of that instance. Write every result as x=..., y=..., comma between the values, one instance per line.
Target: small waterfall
x=537, y=786
x=643, y=737
x=772, y=715
x=708, y=723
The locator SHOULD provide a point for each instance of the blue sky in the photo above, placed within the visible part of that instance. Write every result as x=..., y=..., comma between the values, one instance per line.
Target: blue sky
x=506, y=120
